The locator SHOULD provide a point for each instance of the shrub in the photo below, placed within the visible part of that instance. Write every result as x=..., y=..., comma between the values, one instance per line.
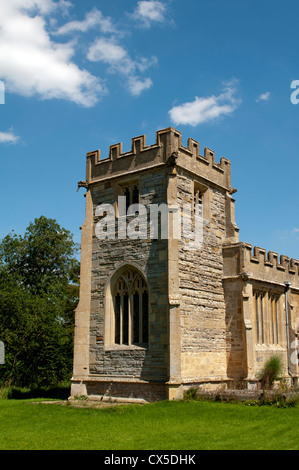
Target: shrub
x=271, y=372
x=191, y=394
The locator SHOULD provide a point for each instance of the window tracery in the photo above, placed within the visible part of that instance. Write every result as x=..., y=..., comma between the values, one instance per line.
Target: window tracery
x=130, y=299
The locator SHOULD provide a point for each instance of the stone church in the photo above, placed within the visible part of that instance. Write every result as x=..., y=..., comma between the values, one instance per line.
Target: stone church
x=155, y=316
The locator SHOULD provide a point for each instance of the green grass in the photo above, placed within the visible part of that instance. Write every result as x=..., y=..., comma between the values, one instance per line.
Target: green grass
x=193, y=425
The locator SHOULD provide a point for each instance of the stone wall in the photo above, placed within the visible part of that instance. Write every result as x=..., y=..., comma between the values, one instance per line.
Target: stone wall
x=150, y=257
x=203, y=338
x=235, y=330
x=127, y=390
x=250, y=272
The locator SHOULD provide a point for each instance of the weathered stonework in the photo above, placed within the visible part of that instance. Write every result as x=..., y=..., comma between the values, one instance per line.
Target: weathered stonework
x=203, y=324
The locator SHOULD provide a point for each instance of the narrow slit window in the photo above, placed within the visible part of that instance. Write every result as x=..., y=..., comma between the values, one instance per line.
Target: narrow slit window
x=274, y=319
x=128, y=198
x=125, y=322
x=135, y=198
x=136, y=316
x=117, y=318
x=145, y=317
x=259, y=317
x=257, y=321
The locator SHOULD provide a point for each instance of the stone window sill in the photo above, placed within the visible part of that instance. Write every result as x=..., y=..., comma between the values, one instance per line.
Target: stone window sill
x=126, y=347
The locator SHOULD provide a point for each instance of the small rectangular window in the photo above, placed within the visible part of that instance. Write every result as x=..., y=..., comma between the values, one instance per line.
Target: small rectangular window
x=197, y=203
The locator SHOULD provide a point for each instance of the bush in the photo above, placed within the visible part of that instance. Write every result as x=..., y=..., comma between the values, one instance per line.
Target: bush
x=191, y=394
x=271, y=372
x=277, y=400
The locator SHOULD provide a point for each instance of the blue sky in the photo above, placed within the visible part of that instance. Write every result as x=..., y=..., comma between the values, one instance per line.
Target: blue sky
x=85, y=75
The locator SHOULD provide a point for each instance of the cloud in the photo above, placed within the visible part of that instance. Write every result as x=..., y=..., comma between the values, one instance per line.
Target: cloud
x=264, y=97
x=92, y=19
x=119, y=61
x=137, y=86
x=206, y=109
x=106, y=50
x=149, y=12
x=8, y=138
x=31, y=63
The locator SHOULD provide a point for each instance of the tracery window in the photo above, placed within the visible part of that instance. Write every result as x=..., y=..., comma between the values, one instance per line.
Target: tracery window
x=130, y=300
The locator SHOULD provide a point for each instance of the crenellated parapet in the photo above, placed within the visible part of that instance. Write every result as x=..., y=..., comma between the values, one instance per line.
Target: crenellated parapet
x=281, y=263
x=142, y=157
x=260, y=264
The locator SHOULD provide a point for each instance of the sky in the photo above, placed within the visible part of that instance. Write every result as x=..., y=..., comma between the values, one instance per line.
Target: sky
x=79, y=76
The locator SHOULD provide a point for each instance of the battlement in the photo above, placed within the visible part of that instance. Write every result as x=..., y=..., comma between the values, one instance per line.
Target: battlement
x=272, y=259
x=142, y=156
x=256, y=261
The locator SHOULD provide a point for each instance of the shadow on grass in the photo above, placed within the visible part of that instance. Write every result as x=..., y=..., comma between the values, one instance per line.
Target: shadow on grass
x=59, y=392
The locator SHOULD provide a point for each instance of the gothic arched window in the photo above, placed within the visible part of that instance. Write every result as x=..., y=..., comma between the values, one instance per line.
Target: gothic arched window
x=130, y=301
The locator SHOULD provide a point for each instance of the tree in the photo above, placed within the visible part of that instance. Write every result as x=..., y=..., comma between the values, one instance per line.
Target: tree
x=39, y=277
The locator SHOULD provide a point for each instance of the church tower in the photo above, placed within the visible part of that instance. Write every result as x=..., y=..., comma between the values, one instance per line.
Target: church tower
x=151, y=315
x=168, y=305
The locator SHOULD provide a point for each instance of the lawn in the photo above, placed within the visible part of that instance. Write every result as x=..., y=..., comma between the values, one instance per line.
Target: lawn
x=193, y=425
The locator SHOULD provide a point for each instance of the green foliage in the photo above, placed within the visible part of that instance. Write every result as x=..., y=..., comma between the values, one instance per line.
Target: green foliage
x=271, y=372
x=39, y=277
x=42, y=259
x=277, y=400
x=191, y=394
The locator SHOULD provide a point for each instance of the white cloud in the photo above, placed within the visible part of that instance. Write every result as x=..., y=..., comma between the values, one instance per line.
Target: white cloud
x=34, y=63
x=206, y=108
x=92, y=19
x=137, y=86
x=264, y=97
x=31, y=63
x=149, y=12
x=8, y=138
x=106, y=50
x=119, y=61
